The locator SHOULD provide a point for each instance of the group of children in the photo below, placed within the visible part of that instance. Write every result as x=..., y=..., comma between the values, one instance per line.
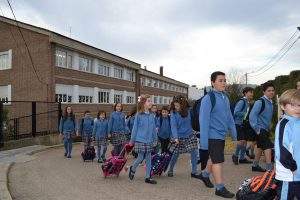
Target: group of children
x=145, y=127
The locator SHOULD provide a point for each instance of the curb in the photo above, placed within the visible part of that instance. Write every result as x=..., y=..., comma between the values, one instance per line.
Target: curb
x=4, y=191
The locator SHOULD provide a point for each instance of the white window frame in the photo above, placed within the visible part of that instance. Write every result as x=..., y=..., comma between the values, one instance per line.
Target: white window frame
x=106, y=99
x=155, y=99
x=61, y=58
x=6, y=60
x=130, y=75
x=118, y=98
x=85, y=64
x=5, y=94
x=103, y=70
x=70, y=61
x=118, y=72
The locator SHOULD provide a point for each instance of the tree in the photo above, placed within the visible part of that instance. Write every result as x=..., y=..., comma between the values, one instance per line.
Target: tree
x=235, y=80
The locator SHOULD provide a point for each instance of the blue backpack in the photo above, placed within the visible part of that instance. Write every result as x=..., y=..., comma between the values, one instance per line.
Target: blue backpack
x=196, y=110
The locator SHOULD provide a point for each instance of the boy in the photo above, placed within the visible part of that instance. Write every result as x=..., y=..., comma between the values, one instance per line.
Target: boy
x=215, y=122
x=287, y=147
x=164, y=129
x=85, y=128
x=260, y=120
x=241, y=111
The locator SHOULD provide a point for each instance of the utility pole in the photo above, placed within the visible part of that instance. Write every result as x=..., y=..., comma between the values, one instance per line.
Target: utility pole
x=246, y=75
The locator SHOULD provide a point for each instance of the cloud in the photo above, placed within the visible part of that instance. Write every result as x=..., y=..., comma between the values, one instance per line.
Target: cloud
x=189, y=38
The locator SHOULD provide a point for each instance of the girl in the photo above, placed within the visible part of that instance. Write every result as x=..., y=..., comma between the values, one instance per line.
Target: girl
x=67, y=129
x=86, y=128
x=164, y=129
x=130, y=121
x=144, y=137
x=117, y=129
x=182, y=133
x=100, y=133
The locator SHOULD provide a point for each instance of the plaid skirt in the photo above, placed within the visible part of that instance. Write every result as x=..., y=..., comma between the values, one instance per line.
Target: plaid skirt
x=101, y=141
x=118, y=138
x=186, y=145
x=140, y=147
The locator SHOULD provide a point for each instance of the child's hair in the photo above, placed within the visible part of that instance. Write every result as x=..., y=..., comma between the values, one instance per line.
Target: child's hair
x=87, y=111
x=247, y=89
x=132, y=113
x=296, y=97
x=286, y=97
x=65, y=115
x=183, y=105
x=141, y=102
x=101, y=112
x=115, y=106
x=165, y=108
x=266, y=85
x=214, y=75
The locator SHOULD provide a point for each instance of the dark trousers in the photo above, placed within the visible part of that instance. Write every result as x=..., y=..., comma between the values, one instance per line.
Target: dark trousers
x=164, y=144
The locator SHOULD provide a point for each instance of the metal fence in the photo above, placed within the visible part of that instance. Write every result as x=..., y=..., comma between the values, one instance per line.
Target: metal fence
x=26, y=119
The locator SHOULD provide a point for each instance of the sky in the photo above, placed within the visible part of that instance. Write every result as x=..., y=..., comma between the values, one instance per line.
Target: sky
x=190, y=38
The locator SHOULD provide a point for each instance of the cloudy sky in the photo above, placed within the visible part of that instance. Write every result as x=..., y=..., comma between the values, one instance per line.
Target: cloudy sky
x=190, y=38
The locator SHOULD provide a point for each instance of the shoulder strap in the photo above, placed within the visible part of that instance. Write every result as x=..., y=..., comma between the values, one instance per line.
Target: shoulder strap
x=244, y=103
x=82, y=120
x=263, y=105
x=212, y=100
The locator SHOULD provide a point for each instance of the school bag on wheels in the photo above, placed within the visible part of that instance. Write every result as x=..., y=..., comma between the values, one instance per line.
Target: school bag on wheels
x=160, y=161
x=88, y=154
x=114, y=164
x=258, y=188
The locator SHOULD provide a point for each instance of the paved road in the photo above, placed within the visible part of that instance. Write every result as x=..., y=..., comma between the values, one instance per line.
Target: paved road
x=50, y=176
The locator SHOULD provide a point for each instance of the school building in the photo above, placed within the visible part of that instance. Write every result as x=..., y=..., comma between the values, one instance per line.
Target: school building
x=71, y=72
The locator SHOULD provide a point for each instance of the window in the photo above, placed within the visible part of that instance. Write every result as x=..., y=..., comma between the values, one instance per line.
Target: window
x=61, y=58
x=70, y=61
x=103, y=97
x=130, y=75
x=160, y=100
x=149, y=82
x=103, y=70
x=85, y=64
x=173, y=88
x=155, y=100
x=63, y=98
x=118, y=98
x=143, y=81
x=165, y=100
x=5, y=94
x=5, y=60
x=169, y=86
x=129, y=99
x=165, y=86
x=155, y=84
x=118, y=72
x=160, y=84
x=85, y=99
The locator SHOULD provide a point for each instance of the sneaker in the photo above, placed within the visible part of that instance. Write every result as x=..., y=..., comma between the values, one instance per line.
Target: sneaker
x=235, y=159
x=206, y=181
x=170, y=174
x=100, y=161
x=258, y=169
x=198, y=176
x=245, y=161
x=224, y=193
x=69, y=156
x=150, y=181
x=131, y=173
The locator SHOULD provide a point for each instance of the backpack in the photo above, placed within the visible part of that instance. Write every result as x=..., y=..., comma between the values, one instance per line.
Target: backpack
x=232, y=106
x=263, y=105
x=258, y=188
x=82, y=120
x=196, y=110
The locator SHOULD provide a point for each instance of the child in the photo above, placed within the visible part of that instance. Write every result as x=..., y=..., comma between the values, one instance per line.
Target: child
x=215, y=124
x=154, y=110
x=117, y=129
x=130, y=121
x=67, y=129
x=86, y=128
x=287, y=147
x=182, y=133
x=260, y=119
x=100, y=133
x=144, y=137
x=164, y=129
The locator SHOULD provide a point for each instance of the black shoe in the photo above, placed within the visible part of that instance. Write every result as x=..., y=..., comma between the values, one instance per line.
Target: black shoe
x=198, y=176
x=258, y=169
x=198, y=162
x=250, y=155
x=224, y=193
x=206, y=181
x=131, y=173
x=69, y=156
x=170, y=174
x=100, y=161
x=65, y=154
x=235, y=159
x=245, y=161
x=150, y=181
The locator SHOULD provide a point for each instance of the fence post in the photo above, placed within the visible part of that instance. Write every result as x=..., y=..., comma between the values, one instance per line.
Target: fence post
x=59, y=115
x=33, y=118
x=1, y=124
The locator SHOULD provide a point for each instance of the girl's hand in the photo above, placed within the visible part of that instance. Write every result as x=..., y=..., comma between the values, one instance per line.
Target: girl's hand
x=176, y=141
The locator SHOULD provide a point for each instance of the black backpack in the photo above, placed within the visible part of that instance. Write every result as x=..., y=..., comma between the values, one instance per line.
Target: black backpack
x=196, y=110
x=232, y=106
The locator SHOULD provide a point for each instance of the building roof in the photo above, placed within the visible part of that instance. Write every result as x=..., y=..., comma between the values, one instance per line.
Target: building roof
x=73, y=44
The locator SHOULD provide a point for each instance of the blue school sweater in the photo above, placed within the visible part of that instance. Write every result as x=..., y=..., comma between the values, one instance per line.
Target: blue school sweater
x=164, y=128
x=67, y=126
x=130, y=123
x=117, y=123
x=240, y=111
x=215, y=123
x=181, y=127
x=100, y=128
x=144, y=128
x=287, y=149
x=263, y=120
x=86, y=126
